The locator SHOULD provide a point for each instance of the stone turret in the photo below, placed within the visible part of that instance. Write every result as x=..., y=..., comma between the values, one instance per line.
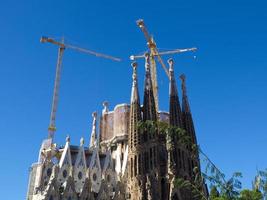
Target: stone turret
x=135, y=189
x=135, y=113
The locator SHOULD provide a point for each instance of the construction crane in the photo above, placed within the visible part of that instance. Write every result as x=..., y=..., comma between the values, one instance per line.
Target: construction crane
x=62, y=46
x=153, y=52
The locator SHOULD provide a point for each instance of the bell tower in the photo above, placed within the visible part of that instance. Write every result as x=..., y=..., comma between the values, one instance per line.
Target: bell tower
x=135, y=170
x=151, y=137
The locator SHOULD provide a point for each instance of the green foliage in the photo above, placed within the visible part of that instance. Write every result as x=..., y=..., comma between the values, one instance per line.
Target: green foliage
x=194, y=187
x=250, y=195
x=221, y=188
x=263, y=182
x=214, y=193
x=219, y=198
x=179, y=134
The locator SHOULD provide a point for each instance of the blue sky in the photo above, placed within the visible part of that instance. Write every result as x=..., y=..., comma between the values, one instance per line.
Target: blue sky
x=226, y=82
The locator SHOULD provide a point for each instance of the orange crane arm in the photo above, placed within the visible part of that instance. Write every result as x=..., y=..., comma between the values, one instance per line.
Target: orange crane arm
x=141, y=25
x=155, y=53
x=151, y=44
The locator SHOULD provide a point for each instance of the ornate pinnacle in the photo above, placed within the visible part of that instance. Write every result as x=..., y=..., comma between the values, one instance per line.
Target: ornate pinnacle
x=134, y=65
x=147, y=61
x=140, y=22
x=81, y=141
x=94, y=115
x=170, y=61
x=105, y=104
x=68, y=138
x=134, y=94
x=93, y=133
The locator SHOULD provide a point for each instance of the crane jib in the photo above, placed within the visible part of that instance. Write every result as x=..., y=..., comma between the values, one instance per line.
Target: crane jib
x=62, y=46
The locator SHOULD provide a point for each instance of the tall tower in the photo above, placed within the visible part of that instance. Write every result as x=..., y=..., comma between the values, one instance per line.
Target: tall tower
x=135, y=170
x=175, y=120
x=151, y=138
x=173, y=146
x=189, y=125
x=187, y=115
x=190, y=158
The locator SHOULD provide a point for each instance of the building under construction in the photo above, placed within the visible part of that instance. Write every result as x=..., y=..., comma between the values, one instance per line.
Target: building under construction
x=124, y=160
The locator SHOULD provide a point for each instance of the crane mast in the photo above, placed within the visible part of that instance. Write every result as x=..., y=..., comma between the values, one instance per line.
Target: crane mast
x=52, y=122
x=62, y=47
x=153, y=52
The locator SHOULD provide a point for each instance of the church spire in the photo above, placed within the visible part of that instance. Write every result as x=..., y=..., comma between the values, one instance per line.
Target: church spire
x=187, y=115
x=174, y=120
x=149, y=106
x=135, y=110
x=135, y=93
x=134, y=140
x=185, y=104
x=174, y=107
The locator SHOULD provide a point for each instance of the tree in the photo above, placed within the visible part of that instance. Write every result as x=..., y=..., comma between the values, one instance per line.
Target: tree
x=221, y=188
x=263, y=182
x=250, y=195
x=214, y=193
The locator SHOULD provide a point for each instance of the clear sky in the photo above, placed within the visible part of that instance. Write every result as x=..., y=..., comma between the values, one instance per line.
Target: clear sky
x=226, y=82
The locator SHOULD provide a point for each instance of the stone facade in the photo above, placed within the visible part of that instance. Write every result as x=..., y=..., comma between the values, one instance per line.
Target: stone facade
x=122, y=161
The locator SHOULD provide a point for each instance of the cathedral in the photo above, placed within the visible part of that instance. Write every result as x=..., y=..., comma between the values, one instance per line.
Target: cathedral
x=122, y=160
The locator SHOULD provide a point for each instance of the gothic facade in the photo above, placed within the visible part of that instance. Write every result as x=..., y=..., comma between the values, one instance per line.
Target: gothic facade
x=122, y=160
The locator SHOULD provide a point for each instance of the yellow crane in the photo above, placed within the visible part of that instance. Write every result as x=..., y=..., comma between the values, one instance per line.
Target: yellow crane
x=153, y=52
x=62, y=46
